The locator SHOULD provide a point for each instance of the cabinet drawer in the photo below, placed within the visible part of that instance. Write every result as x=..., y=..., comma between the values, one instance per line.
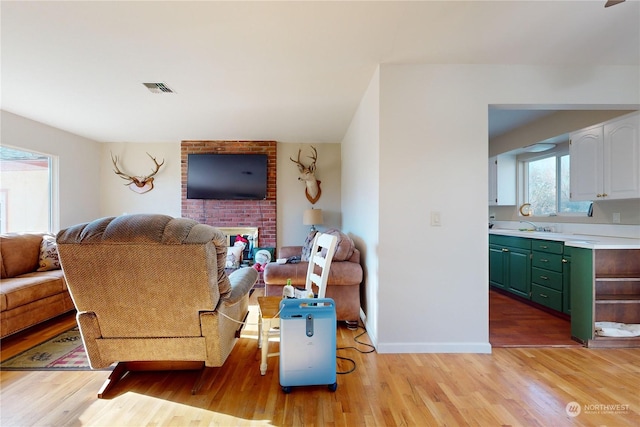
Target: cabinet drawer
x=513, y=242
x=547, y=297
x=547, y=261
x=549, y=246
x=548, y=278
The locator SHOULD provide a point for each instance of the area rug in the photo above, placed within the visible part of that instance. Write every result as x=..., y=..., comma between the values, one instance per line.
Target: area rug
x=63, y=352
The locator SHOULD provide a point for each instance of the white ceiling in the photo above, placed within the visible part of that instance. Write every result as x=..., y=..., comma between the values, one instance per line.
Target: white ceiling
x=270, y=70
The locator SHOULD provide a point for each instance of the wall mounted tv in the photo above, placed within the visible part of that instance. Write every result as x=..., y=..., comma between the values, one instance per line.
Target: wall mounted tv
x=227, y=176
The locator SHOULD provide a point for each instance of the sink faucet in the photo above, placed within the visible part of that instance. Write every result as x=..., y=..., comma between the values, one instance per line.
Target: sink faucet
x=535, y=227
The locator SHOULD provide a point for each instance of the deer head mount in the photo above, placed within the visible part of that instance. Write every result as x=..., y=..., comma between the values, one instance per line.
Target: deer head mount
x=307, y=174
x=138, y=184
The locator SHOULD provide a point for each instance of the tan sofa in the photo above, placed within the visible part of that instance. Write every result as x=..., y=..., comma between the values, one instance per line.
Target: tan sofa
x=153, y=288
x=344, y=281
x=28, y=296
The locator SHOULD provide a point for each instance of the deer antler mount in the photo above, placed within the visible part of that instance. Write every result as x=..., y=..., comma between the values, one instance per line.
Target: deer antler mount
x=138, y=184
x=308, y=175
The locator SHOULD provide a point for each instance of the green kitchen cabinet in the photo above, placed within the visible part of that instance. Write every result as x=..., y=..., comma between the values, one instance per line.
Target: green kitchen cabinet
x=510, y=264
x=497, y=266
x=566, y=280
x=547, y=280
x=582, y=294
x=605, y=287
x=519, y=274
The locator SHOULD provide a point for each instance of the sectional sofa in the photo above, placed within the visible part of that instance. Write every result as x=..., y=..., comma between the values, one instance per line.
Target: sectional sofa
x=32, y=286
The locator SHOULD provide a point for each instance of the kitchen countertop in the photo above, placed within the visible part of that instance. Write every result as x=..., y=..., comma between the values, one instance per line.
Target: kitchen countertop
x=575, y=240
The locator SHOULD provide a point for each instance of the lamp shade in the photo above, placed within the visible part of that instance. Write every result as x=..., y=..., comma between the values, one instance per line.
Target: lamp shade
x=312, y=217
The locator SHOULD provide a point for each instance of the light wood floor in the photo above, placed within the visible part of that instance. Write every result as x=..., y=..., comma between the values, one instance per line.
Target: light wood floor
x=510, y=387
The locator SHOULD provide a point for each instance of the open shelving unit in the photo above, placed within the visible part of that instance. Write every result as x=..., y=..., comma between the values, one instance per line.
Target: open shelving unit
x=616, y=293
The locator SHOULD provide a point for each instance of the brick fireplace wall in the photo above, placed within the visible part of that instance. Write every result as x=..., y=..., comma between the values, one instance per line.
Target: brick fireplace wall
x=234, y=213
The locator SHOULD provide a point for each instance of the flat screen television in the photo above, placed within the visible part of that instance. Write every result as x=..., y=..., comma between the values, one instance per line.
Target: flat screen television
x=227, y=176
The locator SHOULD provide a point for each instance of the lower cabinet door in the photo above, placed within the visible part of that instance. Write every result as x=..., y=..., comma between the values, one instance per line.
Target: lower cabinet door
x=519, y=272
x=546, y=296
x=496, y=266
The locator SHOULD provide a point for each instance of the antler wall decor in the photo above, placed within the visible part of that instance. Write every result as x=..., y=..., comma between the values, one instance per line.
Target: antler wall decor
x=138, y=184
x=307, y=174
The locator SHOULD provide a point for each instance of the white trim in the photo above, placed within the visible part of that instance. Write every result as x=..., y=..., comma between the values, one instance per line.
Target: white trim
x=436, y=347
x=54, y=196
x=369, y=328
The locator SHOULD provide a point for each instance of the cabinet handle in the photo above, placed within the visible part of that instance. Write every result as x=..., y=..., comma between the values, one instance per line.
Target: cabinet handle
x=544, y=296
x=564, y=260
x=505, y=250
x=544, y=247
x=604, y=194
x=599, y=195
x=544, y=277
x=544, y=260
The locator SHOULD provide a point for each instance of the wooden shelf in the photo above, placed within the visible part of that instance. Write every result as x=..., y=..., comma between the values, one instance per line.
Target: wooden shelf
x=632, y=277
x=617, y=294
x=622, y=298
x=614, y=342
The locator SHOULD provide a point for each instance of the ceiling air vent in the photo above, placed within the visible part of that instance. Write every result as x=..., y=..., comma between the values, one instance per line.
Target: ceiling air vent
x=158, y=87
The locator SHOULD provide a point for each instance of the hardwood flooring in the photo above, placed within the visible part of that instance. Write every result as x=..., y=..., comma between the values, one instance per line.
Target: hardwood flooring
x=513, y=323
x=510, y=387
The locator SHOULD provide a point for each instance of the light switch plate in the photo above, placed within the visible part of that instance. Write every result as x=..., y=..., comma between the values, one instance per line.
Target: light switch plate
x=435, y=219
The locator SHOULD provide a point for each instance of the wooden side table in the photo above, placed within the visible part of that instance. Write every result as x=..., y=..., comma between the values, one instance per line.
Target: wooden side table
x=268, y=320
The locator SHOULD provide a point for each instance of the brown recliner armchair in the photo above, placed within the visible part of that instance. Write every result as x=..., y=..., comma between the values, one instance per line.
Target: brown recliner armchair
x=343, y=285
x=153, y=288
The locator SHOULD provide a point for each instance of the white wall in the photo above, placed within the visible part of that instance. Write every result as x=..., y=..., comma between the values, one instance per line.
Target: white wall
x=78, y=160
x=360, y=195
x=292, y=201
x=433, y=280
x=117, y=198
x=165, y=198
x=89, y=189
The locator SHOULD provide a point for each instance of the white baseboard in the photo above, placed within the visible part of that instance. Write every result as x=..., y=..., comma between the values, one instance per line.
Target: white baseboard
x=436, y=347
x=483, y=348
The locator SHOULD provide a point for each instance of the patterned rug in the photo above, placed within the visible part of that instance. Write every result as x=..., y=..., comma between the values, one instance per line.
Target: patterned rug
x=64, y=352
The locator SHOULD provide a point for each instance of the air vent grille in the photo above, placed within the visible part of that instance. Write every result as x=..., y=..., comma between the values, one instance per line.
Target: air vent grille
x=158, y=87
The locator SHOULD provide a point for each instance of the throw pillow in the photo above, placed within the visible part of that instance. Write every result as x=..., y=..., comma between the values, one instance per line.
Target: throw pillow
x=234, y=256
x=308, y=245
x=49, y=259
x=344, y=246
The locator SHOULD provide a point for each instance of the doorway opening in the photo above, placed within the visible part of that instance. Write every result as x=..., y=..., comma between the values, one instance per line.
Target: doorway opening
x=514, y=323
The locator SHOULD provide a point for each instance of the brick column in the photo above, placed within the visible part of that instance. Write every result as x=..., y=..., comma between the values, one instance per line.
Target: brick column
x=234, y=213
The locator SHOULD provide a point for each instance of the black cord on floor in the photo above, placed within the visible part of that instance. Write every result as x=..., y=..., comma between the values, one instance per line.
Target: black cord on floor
x=353, y=362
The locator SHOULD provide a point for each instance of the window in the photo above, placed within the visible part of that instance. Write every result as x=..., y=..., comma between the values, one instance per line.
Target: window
x=25, y=191
x=547, y=185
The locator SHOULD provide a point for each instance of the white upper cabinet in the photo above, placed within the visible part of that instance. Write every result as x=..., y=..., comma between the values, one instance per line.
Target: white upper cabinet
x=605, y=160
x=502, y=180
x=622, y=158
x=585, y=151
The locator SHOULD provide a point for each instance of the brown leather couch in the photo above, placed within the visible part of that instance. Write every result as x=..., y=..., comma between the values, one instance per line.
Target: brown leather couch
x=344, y=281
x=28, y=296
